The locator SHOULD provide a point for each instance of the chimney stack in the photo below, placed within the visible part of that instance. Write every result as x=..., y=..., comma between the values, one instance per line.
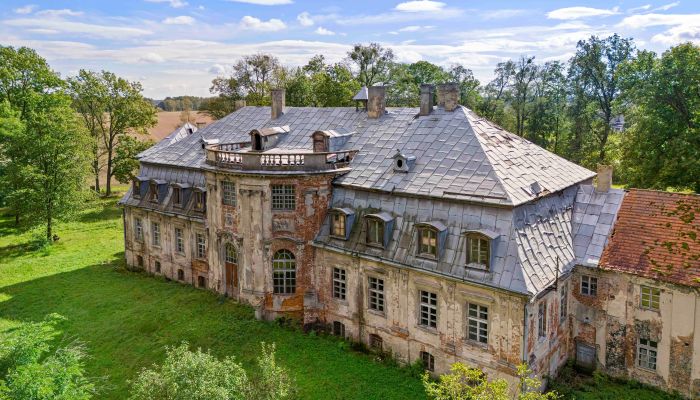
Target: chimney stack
x=604, y=181
x=426, y=99
x=448, y=96
x=238, y=104
x=277, y=103
x=376, y=102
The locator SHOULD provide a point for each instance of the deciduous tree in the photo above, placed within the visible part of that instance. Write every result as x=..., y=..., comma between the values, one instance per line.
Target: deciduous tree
x=372, y=62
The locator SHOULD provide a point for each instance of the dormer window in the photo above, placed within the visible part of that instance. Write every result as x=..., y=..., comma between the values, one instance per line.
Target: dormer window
x=200, y=200
x=478, y=250
x=153, y=192
x=378, y=229
x=136, y=188
x=177, y=197
x=341, y=222
x=257, y=142
x=427, y=242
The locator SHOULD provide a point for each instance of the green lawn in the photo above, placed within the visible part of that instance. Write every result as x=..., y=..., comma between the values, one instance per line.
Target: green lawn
x=125, y=319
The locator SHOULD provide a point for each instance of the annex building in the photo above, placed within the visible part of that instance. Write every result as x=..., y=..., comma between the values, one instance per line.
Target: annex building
x=428, y=232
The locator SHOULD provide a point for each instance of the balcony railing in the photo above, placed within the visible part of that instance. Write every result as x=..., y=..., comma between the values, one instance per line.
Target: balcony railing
x=227, y=156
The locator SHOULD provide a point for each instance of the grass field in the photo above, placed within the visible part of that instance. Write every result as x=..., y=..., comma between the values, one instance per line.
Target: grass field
x=125, y=319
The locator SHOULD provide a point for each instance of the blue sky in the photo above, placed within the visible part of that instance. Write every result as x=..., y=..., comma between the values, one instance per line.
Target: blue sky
x=177, y=47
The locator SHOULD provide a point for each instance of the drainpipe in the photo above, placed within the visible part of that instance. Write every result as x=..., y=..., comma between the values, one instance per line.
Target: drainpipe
x=525, y=330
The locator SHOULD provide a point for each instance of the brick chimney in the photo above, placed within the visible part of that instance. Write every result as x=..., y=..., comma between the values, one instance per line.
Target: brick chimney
x=277, y=103
x=448, y=96
x=376, y=102
x=604, y=180
x=426, y=99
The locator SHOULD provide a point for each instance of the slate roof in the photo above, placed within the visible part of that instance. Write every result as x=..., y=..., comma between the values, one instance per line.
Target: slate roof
x=657, y=236
x=458, y=154
x=594, y=216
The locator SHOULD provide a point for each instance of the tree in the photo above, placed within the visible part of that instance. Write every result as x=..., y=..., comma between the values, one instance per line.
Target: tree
x=194, y=375
x=372, y=62
x=126, y=165
x=492, y=106
x=30, y=369
x=468, y=85
x=547, y=111
x=524, y=73
x=112, y=108
x=594, y=68
x=465, y=383
x=661, y=97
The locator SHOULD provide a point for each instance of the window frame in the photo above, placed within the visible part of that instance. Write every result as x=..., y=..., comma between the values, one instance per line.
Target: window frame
x=375, y=294
x=340, y=280
x=380, y=227
x=153, y=192
x=157, y=266
x=479, y=237
x=339, y=329
x=283, y=197
x=179, y=240
x=432, y=237
x=138, y=229
x=230, y=257
x=228, y=193
x=652, y=293
x=563, y=303
x=427, y=309
x=199, y=200
x=428, y=361
x=200, y=246
x=155, y=233
x=177, y=197
x=180, y=274
x=647, y=348
x=136, y=188
x=478, y=323
x=591, y=285
x=284, y=272
x=376, y=342
x=542, y=320
x=337, y=216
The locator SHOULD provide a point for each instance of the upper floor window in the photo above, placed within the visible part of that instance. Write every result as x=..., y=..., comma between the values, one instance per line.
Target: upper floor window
x=153, y=192
x=200, y=200
x=650, y=297
x=284, y=272
x=646, y=354
x=231, y=255
x=228, y=193
x=339, y=283
x=338, y=221
x=201, y=246
x=542, y=319
x=589, y=285
x=478, y=250
x=155, y=233
x=428, y=309
x=138, y=229
x=477, y=323
x=428, y=245
x=179, y=241
x=375, y=231
x=177, y=197
x=283, y=197
x=136, y=188
x=563, y=303
x=376, y=294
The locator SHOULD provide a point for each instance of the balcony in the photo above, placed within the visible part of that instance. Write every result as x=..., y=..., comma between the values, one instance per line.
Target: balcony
x=238, y=156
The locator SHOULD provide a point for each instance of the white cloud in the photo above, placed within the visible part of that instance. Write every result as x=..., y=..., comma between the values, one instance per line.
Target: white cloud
x=667, y=7
x=647, y=20
x=217, y=69
x=60, y=13
x=256, y=24
x=420, y=6
x=323, y=31
x=640, y=8
x=151, y=58
x=77, y=28
x=25, y=9
x=414, y=28
x=179, y=20
x=502, y=14
x=264, y=2
x=305, y=19
x=172, y=3
x=581, y=12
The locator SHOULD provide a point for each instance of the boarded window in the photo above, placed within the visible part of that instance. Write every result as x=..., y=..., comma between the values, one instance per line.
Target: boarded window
x=283, y=197
x=284, y=272
x=376, y=294
x=477, y=323
x=478, y=250
x=428, y=361
x=228, y=193
x=139, y=261
x=339, y=283
x=589, y=285
x=650, y=297
x=428, y=309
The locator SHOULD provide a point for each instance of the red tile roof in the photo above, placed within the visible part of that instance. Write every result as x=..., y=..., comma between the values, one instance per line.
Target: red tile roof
x=657, y=235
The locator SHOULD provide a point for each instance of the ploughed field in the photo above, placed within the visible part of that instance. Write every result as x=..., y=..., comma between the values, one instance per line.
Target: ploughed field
x=125, y=319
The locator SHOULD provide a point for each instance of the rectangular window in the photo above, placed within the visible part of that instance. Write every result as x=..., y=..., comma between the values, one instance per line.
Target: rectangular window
x=428, y=242
x=589, y=285
x=228, y=193
x=201, y=246
x=180, y=275
x=650, y=297
x=375, y=342
x=139, y=261
x=646, y=354
x=200, y=200
x=138, y=230
x=338, y=224
x=339, y=329
x=563, y=303
x=136, y=189
x=179, y=241
x=428, y=361
x=157, y=265
x=155, y=233
x=153, y=190
x=339, y=283
x=375, y=232
x=376, y=294
x=177, y=197
x=428, y=309
x=283, y=198
x=478, y=250
x=478, y=323
x=542, y=319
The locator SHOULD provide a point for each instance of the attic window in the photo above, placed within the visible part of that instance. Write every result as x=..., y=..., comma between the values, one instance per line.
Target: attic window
x=153, y=192
x=136, y=188
x=338, y=224
x=257, y=142
x=379, y=228
x=341, y=222
x=427, y=241
x=478, y=250
x=200, y=200
x=177, y=197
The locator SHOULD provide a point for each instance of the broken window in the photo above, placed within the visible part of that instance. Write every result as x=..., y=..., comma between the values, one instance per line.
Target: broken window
x=376, y=294
x=284, y=272
x=179, y=241
x=427, y=242
x=375, y=232
x=138, y=230
x=283, y=197
x=589, y=285
x=201, y=246
x=478, y=250
x=155, y=233
x=338, y=224
x=542, y=320
x=375, y=342
x=428, y=361
x=646, y=354
x=339, y=329
x=339, y=283
x=428, y=309
x=228, y=193
x=477, y=323
x=650, y=297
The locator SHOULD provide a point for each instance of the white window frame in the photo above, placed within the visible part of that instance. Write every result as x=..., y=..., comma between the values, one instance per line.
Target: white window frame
x=647, y=353
x=478, y=323
x=339, y=283
x=591, y=284
x=201, y=244
x=650, y=295
x=375, y=288
x=428, y=309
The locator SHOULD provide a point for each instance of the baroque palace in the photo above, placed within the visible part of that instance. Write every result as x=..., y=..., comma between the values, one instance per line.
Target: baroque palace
x=428, y=232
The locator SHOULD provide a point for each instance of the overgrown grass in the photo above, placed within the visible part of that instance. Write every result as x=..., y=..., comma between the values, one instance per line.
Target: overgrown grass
x=125, y=319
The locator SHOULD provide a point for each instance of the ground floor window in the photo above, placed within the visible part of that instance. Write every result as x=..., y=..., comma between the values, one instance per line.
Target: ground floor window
x=139, y=261
x=339, y=329
x=180, y=275
x=428, y=361
x=646, y=354
x=375, y=342
x=201, y=282
x=284, y=273
x=157, y=265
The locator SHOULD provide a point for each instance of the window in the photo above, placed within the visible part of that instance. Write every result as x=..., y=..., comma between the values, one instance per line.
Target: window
x=339, y=329
x=180, y=275
x=646, y=354
x=231, y=255
x=338, y=220
x=477, y=323
x=139, y=261
x=201, y=282
x=179, y=242
x=339, y=283
x=228, y=196
x=283, y=198
x=375, y=342
x=284, y=272
x=201, y=246
x=200, y=200
x=375, y=232
x=177, y=197
x=589, y=285
x=138, y=229
x=478, y=250
x=428, y=309
x=136, y=188
x=542, y=319
x=376, y=294
x=153, y=192
x=428, y=361
x=157, y=265
x=155, y=233
x=563, y=303
x=650, y=297
x=427, y=242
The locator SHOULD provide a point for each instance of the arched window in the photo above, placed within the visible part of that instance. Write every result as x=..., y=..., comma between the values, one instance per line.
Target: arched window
x=231, y=254
x=284, y=272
